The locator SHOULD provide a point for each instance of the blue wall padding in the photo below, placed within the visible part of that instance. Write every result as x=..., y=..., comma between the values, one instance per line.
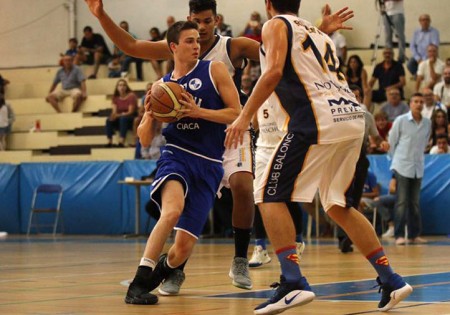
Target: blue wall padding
x=9, y=198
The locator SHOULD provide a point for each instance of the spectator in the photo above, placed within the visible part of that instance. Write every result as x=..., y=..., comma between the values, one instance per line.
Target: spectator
x=253, y=27
x=439, y=125
x=390, y=74
x=3, y=83
x=126, y=60
x=4, y=123
x=394, y=24
x=430, y=70
x=72, y=51
x=155, y=36
x=441, y=90
x=222, y=28
x=385, y=205
x=371, y=190
x=124, y=104
x=246, y=84
x=341, y=47
x=430, y=104
x=355, y=73
x=441, y=146
x=73, y=84
x=114, y=67
x=422, y=37
x=394, y=106
x=383, y=124
x=94, y=50
x=408, y=139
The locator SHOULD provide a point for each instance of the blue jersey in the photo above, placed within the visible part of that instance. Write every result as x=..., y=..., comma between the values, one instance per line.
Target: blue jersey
x=198, y=136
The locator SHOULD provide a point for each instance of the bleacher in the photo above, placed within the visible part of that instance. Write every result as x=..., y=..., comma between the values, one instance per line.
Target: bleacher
x=63, y=136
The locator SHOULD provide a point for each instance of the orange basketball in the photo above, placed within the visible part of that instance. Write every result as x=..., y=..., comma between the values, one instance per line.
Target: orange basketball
x=164, y=101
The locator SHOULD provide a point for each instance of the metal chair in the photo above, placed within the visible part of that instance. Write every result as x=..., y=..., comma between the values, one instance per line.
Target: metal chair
x=46, y=199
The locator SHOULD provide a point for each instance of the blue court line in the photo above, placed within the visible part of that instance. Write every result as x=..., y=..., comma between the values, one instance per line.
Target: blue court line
x=428, y=288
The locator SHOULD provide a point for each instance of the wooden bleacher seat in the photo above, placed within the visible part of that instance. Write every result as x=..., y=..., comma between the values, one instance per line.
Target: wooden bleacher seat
x=48, y=122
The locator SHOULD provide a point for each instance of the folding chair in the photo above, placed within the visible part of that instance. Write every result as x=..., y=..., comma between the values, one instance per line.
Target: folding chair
x=46, y=199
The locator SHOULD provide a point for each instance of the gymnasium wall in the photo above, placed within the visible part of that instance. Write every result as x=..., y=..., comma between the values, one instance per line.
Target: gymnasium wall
x=33, y=33
x=94, y=202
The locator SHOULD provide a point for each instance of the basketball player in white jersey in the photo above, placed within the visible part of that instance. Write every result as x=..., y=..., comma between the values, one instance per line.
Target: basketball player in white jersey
x=233, y=52
x=324, y=127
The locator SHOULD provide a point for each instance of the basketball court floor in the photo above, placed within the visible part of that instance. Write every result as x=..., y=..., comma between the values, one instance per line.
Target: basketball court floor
x=89, y=274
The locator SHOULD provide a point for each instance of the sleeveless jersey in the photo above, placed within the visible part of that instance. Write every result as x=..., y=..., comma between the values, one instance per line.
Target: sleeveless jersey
x=198, y=136
x=220, y=51
x=269, y=134
x=313, y=99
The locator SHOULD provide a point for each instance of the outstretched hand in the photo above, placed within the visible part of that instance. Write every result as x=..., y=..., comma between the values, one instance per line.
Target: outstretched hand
x=333, y=22
x=96, y=7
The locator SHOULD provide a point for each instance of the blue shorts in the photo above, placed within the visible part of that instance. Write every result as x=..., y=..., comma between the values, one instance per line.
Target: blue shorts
x=200, y=179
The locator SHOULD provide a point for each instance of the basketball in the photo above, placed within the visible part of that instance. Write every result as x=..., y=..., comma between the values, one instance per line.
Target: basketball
x=164, y=101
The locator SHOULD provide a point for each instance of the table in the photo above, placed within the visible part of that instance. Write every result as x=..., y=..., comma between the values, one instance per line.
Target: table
x=137, y=187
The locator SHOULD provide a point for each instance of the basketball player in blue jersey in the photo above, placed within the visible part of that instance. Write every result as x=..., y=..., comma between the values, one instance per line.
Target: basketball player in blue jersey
x=237, y=162
x=190, y=167
x=324, y=127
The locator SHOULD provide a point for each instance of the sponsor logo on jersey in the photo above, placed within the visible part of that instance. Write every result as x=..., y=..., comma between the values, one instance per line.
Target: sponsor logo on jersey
x=188, y=126
x=195, y=84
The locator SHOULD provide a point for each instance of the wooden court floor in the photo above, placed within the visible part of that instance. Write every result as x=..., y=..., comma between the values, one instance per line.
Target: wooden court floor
x=88, y=275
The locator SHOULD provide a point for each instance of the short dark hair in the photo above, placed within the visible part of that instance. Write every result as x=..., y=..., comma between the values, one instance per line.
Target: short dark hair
x=173, y=33
x=417, y=94
x=354, y=87
x=87, y=29
x=286, y=6
x=442, y=136
x=196, y=6
x=73, y=39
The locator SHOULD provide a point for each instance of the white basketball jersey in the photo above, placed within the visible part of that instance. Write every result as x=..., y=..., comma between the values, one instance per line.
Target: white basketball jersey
x=312, y=98
x=269, y=134
x=220, y=52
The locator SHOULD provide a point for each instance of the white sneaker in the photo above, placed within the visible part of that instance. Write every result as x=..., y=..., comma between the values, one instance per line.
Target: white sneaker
x=389, y=233
x=259, y=257
x=300, y=247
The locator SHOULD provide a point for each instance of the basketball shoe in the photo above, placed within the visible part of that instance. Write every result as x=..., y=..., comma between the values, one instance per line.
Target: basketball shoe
x=287, y=295
x=159, y=274
x=139, y=290
x=240, y=274
x=172, y=284
x=260, y=257
x=392, y=292
x=300, y=247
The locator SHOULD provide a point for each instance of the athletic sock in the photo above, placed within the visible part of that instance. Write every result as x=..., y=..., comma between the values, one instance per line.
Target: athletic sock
x=298, y=238
x=261, y=242
x=381, y=264
x=289, y=263
x=241, y=241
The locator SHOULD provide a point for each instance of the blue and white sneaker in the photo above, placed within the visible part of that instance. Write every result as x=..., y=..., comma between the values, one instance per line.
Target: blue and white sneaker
x=393, y=292
x=286, y=296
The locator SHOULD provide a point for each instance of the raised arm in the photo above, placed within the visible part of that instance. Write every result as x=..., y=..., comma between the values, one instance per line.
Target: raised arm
x=137, y=48
x=333, y=22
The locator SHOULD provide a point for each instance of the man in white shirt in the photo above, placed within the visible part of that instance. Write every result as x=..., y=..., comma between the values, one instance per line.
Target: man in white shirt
x=441, y=146
x=441, y=90
x=430, y=105
x=430, y=70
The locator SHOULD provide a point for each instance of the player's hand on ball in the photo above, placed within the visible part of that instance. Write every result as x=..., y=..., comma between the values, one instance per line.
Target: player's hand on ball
x=147, y=100
x=189, y=108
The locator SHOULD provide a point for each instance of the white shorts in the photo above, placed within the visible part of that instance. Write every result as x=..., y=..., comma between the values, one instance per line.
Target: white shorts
x=296, y=170
x=61, y=94
x=262, y=158
x=237, y=160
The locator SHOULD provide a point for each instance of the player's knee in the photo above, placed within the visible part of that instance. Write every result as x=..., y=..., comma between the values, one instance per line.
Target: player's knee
x=170, y=216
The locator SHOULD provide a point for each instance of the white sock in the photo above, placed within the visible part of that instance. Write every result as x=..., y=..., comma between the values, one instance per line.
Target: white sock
x=147, y=262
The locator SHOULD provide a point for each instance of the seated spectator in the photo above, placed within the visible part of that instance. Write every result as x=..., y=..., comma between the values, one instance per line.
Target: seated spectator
x=253, y=27
x=371, y=190
x=114, y=67
x=430, y=70
x=3, y=84
x=155, y=36
x=355, y=73
x=383, y=124
x=126, y=60
x=422, y=38
x=441, y=90
x=4, y=122
x=394, y=106
x=140, y=113
x=72, y=51
x=430, y=105
x=385, y=205
x=439, y=126
x=222, y=28
x=441, y=146
x=94, y=50
x=390, y=74
x=73, y=84
x=124, y=104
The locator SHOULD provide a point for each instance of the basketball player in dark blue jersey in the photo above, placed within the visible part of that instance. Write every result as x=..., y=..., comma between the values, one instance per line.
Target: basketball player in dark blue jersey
x=190, y=166
x=233, y=52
